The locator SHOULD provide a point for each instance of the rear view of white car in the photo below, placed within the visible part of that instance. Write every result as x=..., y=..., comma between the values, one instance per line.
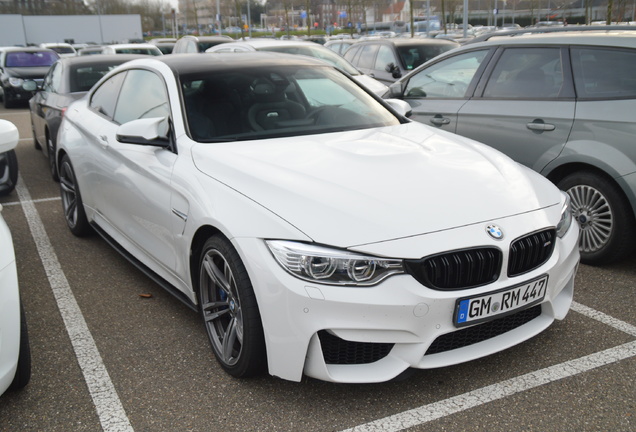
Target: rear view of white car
x=15, y=355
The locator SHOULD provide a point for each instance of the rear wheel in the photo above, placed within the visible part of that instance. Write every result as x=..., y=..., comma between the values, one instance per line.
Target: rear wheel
x=72, y=200
x=604, y=216
x=51, y=155
x=36, y=144
x=8, y=172
x=229, y=310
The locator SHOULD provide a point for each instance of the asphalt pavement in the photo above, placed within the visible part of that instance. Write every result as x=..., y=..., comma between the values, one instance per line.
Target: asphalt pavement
x=112, y=351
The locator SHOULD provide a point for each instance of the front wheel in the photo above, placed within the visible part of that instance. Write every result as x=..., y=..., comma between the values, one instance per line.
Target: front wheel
x=229, y=310
x=604, y=216
x=72, y=200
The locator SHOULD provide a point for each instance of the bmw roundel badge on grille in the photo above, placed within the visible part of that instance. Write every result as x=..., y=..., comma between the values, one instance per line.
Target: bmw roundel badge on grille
x=495, y=232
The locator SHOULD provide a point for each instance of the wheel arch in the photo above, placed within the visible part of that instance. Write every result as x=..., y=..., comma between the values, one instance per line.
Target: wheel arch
x=560, y=172
x=198, y=240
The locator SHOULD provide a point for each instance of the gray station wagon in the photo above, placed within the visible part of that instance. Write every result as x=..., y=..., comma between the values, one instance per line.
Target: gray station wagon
x=562, y=104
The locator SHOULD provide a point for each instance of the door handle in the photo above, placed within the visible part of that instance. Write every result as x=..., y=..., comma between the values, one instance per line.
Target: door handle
x=538, y=125
x=438, y=120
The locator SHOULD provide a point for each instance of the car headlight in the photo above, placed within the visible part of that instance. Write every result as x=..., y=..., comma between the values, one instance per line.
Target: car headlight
x=16, y=82
x=566, y=217
x=320, y=264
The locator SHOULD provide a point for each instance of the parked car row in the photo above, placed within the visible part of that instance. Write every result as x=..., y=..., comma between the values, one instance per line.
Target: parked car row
x=260, y=179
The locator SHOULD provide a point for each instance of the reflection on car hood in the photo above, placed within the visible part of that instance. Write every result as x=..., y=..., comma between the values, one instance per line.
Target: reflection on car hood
x=360, y=187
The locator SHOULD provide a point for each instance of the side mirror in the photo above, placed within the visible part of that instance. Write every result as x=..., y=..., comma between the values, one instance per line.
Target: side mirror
x=147, y=131
x=30, y=85
x=396, y=90
x=9, y=136
x=401, y=107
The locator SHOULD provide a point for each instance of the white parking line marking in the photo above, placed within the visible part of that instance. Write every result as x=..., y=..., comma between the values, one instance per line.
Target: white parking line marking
x=604, y=318
x=13, y=203
x=437, y=410
x=107, y=404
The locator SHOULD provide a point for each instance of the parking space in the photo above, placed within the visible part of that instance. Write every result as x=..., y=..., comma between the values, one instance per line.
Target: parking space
x=112, y=351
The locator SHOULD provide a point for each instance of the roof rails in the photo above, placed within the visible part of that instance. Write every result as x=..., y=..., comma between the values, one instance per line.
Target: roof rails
x=548, y=29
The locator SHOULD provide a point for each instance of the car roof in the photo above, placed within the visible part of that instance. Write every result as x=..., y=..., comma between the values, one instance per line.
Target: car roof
x=99, y=59
x=625, y=38
x=266, y=42
x=551, y=29
x=133, y=45
x=206, y=38
x=25, y=49
x=195, y=63
x=408, y=41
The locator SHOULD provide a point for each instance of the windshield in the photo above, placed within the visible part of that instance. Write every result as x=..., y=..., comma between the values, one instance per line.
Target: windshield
x=265, y=102
x=319, y=52
x=30, y=59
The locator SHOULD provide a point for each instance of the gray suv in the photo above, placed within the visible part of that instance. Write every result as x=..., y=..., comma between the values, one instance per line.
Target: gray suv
x=562, y=104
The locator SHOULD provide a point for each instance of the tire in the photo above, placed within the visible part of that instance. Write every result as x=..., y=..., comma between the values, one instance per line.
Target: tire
x=8, y=172
x=8, y=102
x=51, y=156
x=604, y=216
x=229, y=310
x=72, y=200
x=36, y=144
x=23, y=371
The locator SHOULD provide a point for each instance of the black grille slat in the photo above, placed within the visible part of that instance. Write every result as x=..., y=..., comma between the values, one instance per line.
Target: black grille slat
x=481, y=332
x=339, y=351
x=530, y=252
x=460, y=269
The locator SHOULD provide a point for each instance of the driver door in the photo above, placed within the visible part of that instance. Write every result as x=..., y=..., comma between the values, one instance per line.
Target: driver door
x=437, y=93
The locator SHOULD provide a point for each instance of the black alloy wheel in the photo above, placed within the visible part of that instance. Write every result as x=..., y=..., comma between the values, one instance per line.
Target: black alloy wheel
x=229, y=310
x=72, y=200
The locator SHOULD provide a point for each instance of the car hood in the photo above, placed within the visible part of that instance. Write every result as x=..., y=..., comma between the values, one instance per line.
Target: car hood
x=359, y=187
x=27, y=72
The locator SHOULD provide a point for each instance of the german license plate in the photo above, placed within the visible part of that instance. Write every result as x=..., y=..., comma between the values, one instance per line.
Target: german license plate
x=473, y=310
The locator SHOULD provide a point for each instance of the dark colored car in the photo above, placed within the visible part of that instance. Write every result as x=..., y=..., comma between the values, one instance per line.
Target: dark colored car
x=20, y=64
x=389, y=59
x=67, y=80
x=198, y=44
x=561, y=103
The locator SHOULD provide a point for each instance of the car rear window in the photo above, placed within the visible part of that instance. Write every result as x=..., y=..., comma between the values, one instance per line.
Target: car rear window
x=413, y=56
x=84, y=77
x=30, y=59
x=602, y=73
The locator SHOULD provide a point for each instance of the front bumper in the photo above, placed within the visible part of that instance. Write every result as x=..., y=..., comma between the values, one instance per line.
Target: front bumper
x=389, y=328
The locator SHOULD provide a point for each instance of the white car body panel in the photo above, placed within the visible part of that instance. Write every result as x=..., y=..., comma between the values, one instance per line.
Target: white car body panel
x=9, y=291
x=360, y=190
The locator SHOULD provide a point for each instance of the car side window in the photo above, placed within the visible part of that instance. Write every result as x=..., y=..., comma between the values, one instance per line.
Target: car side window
x=602, y=73
x=367, y=56
x=385, y=56
x=47, y=85
x=449, y=78
x=191, y=47
x=526, y=73
x=105, y=97
x=56, y=79
x=143, y=95
x=351, y=53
